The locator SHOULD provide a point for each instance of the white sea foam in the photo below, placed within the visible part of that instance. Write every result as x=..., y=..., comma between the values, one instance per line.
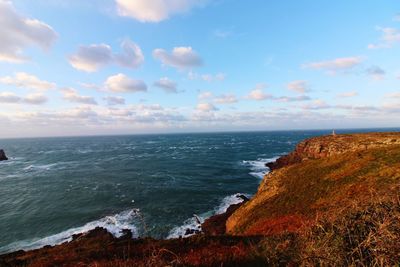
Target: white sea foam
x=257, y=167
x=228, y=201
x=84, y=151
x=195, y=222
x=47, y=167
x=114, y=224
x=191, y=223
x=44, y=167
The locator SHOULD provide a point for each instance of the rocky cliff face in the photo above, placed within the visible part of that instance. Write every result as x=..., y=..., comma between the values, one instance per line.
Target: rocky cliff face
x=326, y=146
x=320, y=178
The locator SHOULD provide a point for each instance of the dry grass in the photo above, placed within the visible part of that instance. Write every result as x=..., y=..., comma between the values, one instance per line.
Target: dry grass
x=365, y=237
x=321, y=187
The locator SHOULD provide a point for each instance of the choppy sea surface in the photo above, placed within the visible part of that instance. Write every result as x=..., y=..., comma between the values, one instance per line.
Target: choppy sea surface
x=52, y=188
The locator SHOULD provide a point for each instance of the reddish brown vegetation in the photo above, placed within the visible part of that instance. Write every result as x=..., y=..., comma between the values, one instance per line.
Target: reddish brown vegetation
x=99, y=248
x=289, y=223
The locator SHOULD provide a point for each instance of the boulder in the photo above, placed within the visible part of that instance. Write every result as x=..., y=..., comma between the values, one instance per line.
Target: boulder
x=3, y=155
x=216, y=225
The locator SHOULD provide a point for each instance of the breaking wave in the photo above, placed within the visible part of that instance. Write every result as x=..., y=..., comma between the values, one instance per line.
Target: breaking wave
x=115, y=224
x=257, y=167
x=191, y=225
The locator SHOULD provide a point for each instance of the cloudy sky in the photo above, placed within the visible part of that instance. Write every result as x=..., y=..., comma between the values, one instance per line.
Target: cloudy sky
x=161, y=66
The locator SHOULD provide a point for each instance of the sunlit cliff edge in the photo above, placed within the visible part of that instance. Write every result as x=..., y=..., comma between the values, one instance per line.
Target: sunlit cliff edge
x=323, y=177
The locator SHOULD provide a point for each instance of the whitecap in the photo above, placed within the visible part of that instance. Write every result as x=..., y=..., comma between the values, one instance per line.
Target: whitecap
x=115, y=224
x=85, y=151
x=195, y=222
x=257, y=167
x=228, y=201
x=44, y=167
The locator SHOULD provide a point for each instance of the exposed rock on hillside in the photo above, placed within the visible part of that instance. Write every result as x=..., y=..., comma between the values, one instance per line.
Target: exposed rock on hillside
x=216, y=225
x=326, y=146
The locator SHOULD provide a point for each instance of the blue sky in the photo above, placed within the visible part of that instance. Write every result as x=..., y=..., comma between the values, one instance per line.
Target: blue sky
x=160, y=66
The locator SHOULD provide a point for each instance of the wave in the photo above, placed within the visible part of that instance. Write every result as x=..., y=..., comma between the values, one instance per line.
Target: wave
x=257, y=167
x=115, y=224
x=44, y=167
x=191, y=225
x=49, y=167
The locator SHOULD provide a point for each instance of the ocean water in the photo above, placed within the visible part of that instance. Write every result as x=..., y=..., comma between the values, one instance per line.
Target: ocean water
x=52, y=188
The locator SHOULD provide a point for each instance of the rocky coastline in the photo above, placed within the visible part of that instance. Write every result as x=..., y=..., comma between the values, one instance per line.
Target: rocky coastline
x=333, y=201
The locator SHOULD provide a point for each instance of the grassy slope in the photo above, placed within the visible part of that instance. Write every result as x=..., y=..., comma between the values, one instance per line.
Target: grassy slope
x=295, y=196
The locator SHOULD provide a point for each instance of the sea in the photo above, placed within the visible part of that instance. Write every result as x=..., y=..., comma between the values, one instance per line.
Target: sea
x=154, y=185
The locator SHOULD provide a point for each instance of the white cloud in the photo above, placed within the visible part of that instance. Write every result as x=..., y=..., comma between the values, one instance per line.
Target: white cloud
x=298, y=86
x=317, y=104
x=180, y=57
x=226, y=99
x=348, y=94
x=206, y=107
x=131, y=57
x=33, y=99
x=121, y=83
x=9, y=98
x=258, y=93
x=155, y=118
x=221, y=99
x=206, y=77
x=335, y=65
x=205, y=95
x=154, y=10
x=167, y=85
x=376, y=73
x=390, y=36
x=393, y=95
x=25, y=80
x=291, y=98
x=93, y=57
x=72, y=95
x=18, y=32
x=114, y=100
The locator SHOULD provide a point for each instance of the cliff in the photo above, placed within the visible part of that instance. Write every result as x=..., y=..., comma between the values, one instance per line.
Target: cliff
x=323, y=177
x=333, y=201
x=330, y=145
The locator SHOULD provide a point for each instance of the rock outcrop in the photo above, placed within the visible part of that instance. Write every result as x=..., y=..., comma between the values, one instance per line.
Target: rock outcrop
x=326, y=146
x=216, y=225
x=3, y=155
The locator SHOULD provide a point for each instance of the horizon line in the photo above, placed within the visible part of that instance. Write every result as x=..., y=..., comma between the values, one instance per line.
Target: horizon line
x=201, y=132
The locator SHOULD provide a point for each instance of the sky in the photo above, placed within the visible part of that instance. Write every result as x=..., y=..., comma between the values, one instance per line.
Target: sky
x=101, y=67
